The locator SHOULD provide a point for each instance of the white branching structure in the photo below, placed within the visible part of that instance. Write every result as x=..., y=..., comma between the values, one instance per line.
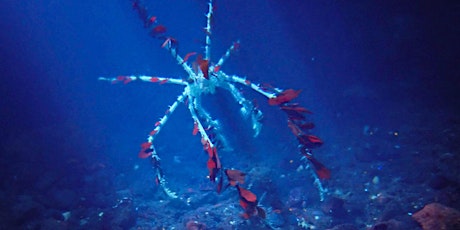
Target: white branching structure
x=203, y=77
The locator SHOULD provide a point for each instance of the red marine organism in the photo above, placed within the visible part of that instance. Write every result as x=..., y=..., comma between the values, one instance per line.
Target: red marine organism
x=195, y=128
x=299, y=127
x=309, y=141
x=144, y=153
x=213, y=162
x=283, y=97
x=146, y=150
x=124, y=79
x=141, y=10
x=306, y=125
x=235, y=176
x=195, y=225
x=153, y=132
x=187, y=56
x=294, y=111
x=152, y=19
x=320, y=169
x=170, y=43
x=248, y=202
x=203, y=65
x=157, y=31
x=236, y=45
x=294, y=128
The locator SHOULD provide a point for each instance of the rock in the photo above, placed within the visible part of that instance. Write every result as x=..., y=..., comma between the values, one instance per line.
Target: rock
x=64, y=199
x=391, y=210
x=438, y=182
x=334, y=206
x=296, y=197
x=366, y=154
x=344, y=227
x=389, y=225
x=121, y=216
x=26, y=209
x=275, y=219
x=436, y=216
x=46, y=181
x=195, y=225
x=52, y=224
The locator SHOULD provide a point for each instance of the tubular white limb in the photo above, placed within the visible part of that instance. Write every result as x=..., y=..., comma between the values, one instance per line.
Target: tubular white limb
x=159, y=124
x=203, y=80
x=207, y=49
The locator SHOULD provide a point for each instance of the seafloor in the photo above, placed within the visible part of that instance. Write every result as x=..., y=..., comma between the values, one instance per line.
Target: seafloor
x=384, y=176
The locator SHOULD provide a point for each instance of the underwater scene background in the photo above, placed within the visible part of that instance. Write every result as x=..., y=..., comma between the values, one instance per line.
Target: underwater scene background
x=381, y=78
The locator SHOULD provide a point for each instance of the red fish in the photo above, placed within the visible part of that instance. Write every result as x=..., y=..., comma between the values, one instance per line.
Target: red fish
x=153, y=132
x=235, y=177
x=294, y=115
x=127, y=80
x=301, y=125
x=141, y=11
x=154, y=79
x=157, y=31
x=152, y=19
x=283, y=97
x=142, y=154
x=320, y=169
x=294, y=111
x=170, y=42
x=207, y=147
x=135, y=4
x=146, y=150
x=187, y=56
x=306, y=125
x=236, y=46
x=195, y=128
x=309, y=141
x=219, y=185
x=266, y=87
x=120, y=79
x=146, y=145
x=213, y=167
x=148, y=20
x=213, y=163
x=294, y=128
x=247, y=195
x=248, y=202
x=295, y=107
x=203, y=65
x=124, y=79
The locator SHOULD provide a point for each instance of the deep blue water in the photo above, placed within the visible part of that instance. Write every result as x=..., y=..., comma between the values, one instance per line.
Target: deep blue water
x=390, y=66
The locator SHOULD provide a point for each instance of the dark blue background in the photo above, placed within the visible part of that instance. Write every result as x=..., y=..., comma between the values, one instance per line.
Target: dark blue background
x=357, y=63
